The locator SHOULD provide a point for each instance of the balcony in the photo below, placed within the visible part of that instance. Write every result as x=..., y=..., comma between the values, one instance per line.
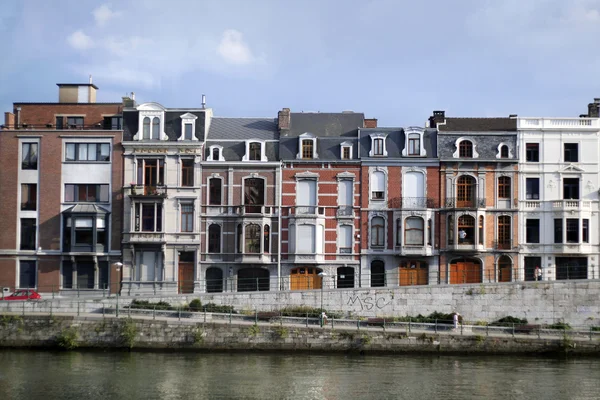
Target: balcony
x=571, y=205
x=410, y=250
x=145, y=237
x=459, y=202
x=572, y=248
x=412, y=202
x=503, y=245
x=345, y=211
x=307, y=211
x=255, y=210
x=578, y=124
x=148, y=191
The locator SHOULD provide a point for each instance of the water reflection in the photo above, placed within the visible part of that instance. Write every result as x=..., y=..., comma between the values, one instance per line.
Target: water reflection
x=52, y=375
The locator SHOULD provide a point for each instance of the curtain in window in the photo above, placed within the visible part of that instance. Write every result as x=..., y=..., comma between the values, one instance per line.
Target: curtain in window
x=413, y=231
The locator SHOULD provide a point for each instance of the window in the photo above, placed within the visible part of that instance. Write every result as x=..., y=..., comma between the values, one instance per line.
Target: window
x=465, y=191
x=27, y=273
x=585, y=231
x=378, y=147
x=345, y=239
x=214, y=191
x=532, y=152
x=254, y=195
x=29, y=197
x=29, y=156
x=238, y=236
x=571, y=152
x=86, y=193
x=155, y=128
x=146, y=128
x=450, y=229
x=532, y=188
x=188, y=132
x=414, y=231
x=187, y=172
x=429, y=227
x=113, y=123
x=572, y=230
x=398, y=232
x=87, y=152
x=466, y=229
x=345, y=193
x=532, y=231
x=377, y=185
x=504, y=187
x=28, y=229
x=570, y=188
x=307, y=148
x=187, y=217
x=558, y=230
x=215, y=154
x=465, y=149
x=254, y=150
x=266, y=239
x=75, y=122
x=252, y=242
x=150, y=173
x=414, y=144
x=504, y=233
x=84, y=232
x=306, y=199
x=377, y=232
x=306, y=237
x=148, y=217
x=504, y=151
x=346, y=153
x=214, y=238
x=481, y=230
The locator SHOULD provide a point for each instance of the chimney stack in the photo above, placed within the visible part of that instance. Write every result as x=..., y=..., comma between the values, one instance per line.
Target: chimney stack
x=436, y=118
x=594, y=109
x=370, y=123
x=203, y=101
x=9, y=120
x=283, y=119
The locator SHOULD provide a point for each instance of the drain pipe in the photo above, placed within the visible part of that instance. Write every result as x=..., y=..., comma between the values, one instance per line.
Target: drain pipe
x=279, y=186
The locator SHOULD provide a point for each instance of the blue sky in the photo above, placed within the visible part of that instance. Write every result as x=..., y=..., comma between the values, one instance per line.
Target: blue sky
x=393, y=60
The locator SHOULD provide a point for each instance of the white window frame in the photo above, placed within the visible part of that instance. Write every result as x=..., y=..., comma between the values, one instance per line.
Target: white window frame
x=307, y=136
x=414, y=130
x=210, y=153
x=343, y=146
x=339, y=235
x=499, y=148
x=375, y=136
x=457, y=143
x=151, y=110
x=371, y=175
x=188, y=118
x=263, y=156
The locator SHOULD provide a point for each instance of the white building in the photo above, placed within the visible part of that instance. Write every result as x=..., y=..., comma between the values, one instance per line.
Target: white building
x=559, y=162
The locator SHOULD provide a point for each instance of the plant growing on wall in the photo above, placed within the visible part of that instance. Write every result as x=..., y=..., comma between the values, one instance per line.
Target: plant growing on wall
x=128, y=332
x=67, y=338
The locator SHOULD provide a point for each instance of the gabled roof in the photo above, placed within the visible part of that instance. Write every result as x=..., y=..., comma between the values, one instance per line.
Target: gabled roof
x=242, y=129
x=478, y=125
x=85, y=208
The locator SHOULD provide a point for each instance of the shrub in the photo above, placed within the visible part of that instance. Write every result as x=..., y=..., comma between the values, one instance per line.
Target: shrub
x=147, y=305
x=128, y=332
x=509, y=321
x=217, y=308
x=303, y=311
x=563, y=326
x=67, y=338
x=195, y=305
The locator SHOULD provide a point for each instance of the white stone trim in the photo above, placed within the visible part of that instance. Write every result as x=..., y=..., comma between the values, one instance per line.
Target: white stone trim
x=210, y=153
x=378, y=136
x=456, y=154
x=188, y=118
x=306, y=136
x=263, y=156
x=414, y=130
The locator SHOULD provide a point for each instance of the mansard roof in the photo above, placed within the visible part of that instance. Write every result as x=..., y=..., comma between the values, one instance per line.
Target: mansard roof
x=478, y=125
x=242, y=129
x=325, y=124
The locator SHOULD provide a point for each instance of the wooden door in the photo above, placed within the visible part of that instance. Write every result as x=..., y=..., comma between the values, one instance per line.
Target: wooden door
x=186, y=277
x=414, y=276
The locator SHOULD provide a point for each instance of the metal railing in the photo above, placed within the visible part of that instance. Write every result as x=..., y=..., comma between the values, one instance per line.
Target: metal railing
x=459, y=202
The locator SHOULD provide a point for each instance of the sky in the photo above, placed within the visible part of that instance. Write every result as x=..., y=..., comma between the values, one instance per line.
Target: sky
x=394, y=60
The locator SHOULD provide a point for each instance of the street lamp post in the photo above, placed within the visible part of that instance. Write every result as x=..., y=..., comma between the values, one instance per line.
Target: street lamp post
x=118, y=266
x=322, y=275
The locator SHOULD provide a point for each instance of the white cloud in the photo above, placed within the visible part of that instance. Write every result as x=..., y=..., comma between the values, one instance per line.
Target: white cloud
x=80, y=41
x=233, y=49
x=103, y=14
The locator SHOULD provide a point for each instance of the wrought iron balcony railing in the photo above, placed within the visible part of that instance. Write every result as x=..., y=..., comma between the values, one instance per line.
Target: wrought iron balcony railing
x=460, y=202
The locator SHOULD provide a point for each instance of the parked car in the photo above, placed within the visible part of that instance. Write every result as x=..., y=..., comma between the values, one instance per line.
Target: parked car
x=24, y=294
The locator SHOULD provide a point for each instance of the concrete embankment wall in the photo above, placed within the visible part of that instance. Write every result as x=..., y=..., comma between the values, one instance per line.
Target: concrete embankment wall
x=574, y=302
x=97, y=332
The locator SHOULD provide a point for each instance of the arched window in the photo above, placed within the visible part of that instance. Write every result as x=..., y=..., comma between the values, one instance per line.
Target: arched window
x=504, y=232
x=414, y=144
x=155, y=128
x=266, y=239
x=252, y=237
x=146, y=128
x=504, y=187
x=465, y=191
x=504, y=151
x=504, y=269
x=377, y=232
x=465, y=149
x=414, y=231
x=215, y=154
x=466, y=229
x=450, y=229
x=481, y=230
x=214, y=238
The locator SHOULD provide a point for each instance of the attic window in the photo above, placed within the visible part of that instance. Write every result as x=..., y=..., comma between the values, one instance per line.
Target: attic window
x=255, y=151
x=307, y=145
x=215, y=153
x=188, y=127
x=413, y=142
x=378, y=148
x=151, y=122
x=346, y=151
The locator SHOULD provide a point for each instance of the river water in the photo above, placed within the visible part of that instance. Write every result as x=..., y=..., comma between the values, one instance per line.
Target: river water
x=113, y=375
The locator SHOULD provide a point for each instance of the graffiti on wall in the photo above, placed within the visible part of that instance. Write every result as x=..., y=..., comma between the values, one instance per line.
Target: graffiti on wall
x=369, y=302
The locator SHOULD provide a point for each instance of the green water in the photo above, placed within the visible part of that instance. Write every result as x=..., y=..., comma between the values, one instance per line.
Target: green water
x=96, y=375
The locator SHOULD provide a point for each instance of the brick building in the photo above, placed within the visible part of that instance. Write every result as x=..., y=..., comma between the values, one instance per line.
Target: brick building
x=61, y=181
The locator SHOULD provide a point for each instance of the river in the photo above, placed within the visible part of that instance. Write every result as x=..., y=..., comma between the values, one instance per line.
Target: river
x=30, y=375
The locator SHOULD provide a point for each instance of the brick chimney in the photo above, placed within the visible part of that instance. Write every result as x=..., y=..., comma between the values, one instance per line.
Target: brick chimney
x=594, y=108
x=283, y=119
x=370, y=123
x=9, y=120
x=436, y=118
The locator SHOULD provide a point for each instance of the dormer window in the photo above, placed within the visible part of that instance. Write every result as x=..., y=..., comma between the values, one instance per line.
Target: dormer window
x=255, y=151
x=188, y=127
x=215, y=153
x=346, y=151
x=413, y=144
x=504, y=151
x=465, y=149
x=307, y=144
x=378, y=148
x=152, y=124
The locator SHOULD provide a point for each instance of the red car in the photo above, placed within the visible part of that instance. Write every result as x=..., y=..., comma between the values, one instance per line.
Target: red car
x=24, y=294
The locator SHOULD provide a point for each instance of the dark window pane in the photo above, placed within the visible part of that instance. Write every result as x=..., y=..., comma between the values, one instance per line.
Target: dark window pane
x=27, y=272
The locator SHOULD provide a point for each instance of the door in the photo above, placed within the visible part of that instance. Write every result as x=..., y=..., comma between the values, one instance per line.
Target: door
x=414, y=273
x=305, y=279
x=186, y=277
x=465, y=271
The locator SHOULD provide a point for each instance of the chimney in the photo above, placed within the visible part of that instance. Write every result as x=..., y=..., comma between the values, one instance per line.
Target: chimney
x=512, y=116
x=594, y=109
x=9, y=120
x=436, y=118
x=128, y=101
x=370, y=123
x=283, y=119
x=203, y=101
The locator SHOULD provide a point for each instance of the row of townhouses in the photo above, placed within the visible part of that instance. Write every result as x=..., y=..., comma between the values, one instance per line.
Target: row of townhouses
x=140, y=198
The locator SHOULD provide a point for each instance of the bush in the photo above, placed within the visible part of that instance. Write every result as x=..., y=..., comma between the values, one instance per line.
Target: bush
x=431, y=318
x=216, y=308
x=509, y=321
x=563, y=326
x=303, y=311
x=147, y=305
x=67, y=339
x=195, y=305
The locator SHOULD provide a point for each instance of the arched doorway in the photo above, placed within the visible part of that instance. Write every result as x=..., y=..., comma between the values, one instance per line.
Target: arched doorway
x=414, y=272
x=465, y=270
x=345, y=277
x=504, y=269
x=377, y=273
x=305, y=278
x=253, y=279
x=214, y=280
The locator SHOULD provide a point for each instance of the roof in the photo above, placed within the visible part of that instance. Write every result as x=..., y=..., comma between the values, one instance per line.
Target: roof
x=85, y=209
x=325, y=124
x=77, y=84
x=478, y=124
x=242, y=129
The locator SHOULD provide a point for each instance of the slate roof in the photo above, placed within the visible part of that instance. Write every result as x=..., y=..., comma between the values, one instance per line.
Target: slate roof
x=242, y=129
x=85, y=208
x=478, y=125
x=395, y=142
x=325, y=124
x=172, y=124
